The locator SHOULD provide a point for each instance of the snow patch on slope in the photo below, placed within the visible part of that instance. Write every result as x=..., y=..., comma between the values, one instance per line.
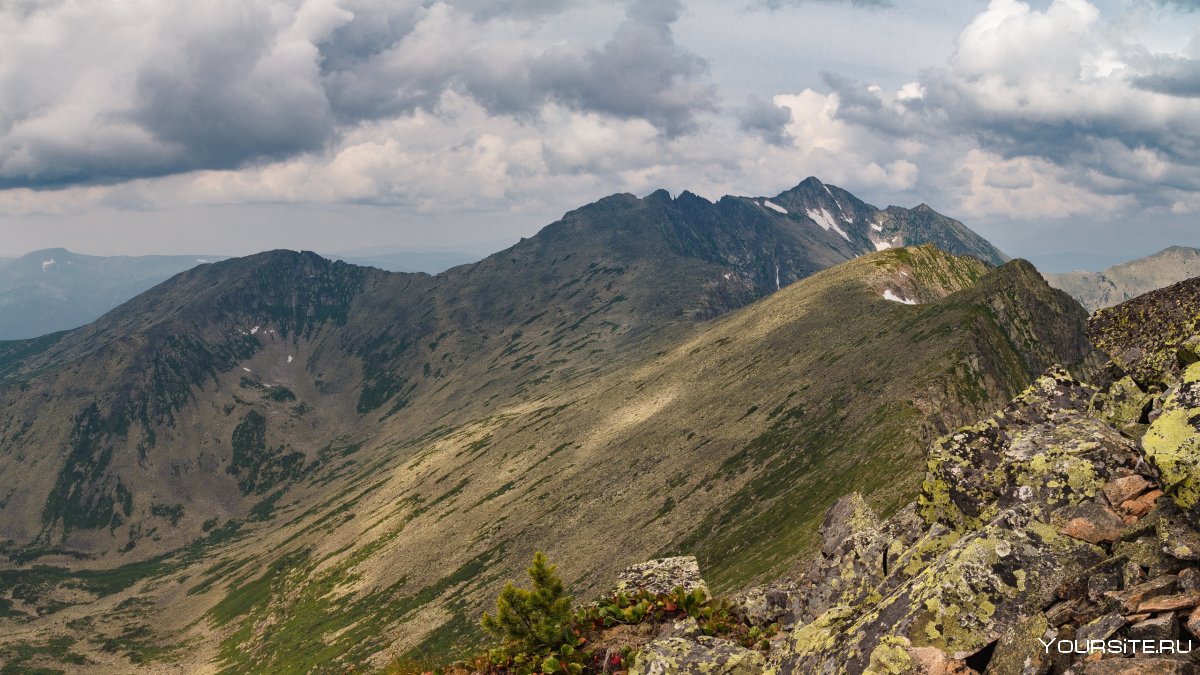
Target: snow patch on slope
x=47, y=264
x=889, y=295
x=774, y=207
x=826, y=221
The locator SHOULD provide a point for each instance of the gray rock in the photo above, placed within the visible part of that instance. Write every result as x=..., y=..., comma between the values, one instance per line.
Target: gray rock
x=1161, y=627
x=1100, y=629
x=764, y=605
x=702, y=656
x=662, y=576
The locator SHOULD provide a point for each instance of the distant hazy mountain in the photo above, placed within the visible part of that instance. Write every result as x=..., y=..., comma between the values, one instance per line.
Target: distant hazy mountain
x=1058, y=263
x=55, y=289
x=1128, y=280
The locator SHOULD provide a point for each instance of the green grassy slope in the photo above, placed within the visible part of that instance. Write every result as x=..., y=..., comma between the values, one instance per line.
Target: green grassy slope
x=600, y=445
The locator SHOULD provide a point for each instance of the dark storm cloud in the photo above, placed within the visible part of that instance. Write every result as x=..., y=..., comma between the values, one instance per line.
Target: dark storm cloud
x=1181, y=78
x=224, y=86
x=765, y=119
x=640, y=72
x=228, y=102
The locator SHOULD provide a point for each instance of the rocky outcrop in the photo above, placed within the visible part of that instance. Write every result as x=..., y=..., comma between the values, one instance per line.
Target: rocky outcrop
x=1012, y=509
x=701, y=655
x=1172, y=442
x=662, y=576
x=1152, y=336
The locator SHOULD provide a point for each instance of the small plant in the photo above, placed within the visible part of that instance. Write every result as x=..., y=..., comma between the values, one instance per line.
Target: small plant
x=540, y=634
x=533, y=618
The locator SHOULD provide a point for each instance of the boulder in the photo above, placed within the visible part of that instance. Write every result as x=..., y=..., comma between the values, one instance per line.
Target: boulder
x=1091, y=522
x=1170, y=603
x=1021, y=652
x=1159, y=627
x=897, y=656
x=662, y=576
x=699, y=656
x=1125, y=489
x=1146, y=552
x=1131, y=598
x=1101, y=628
x=972, y=594
x=1193, y=622
x=1189, y=579
x=1172, y=442
x=1041, y=450
x=1178, y=538
x=765, y=605
x=1141, y=505
x=1123, y=405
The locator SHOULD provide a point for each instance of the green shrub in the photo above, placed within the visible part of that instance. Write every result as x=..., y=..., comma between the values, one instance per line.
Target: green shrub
x=534, y=619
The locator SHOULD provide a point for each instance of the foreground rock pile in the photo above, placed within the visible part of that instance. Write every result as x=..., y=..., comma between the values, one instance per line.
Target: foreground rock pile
x=1059, y=535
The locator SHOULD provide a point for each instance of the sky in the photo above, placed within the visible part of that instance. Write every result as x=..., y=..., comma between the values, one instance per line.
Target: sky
x=233, y=126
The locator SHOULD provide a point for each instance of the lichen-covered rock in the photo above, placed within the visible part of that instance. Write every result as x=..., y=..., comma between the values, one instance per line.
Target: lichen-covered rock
x=1040, y=450
x=1100, y=628
x=662, y=576
x=981, y=555
x=1173, y=441
x=765, y=605
x=1123, y=405
x=701, y=656
x=1146, y=552
x=971, y=595
x=1021, y=651
x=897, y=656
x=1149, y=337
x=849, y=564
x=1176, y=535
x=686, y=627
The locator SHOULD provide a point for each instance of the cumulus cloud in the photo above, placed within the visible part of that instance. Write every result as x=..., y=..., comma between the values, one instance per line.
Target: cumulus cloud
x=427, y=106
x=1078, y=112
x=1177, y=77
x=767, y=120
x=104, y=92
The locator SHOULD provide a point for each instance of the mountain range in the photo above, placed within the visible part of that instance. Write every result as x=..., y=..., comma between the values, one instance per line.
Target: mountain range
x=54, y=289
x=1127, y=280
x=282, y=463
